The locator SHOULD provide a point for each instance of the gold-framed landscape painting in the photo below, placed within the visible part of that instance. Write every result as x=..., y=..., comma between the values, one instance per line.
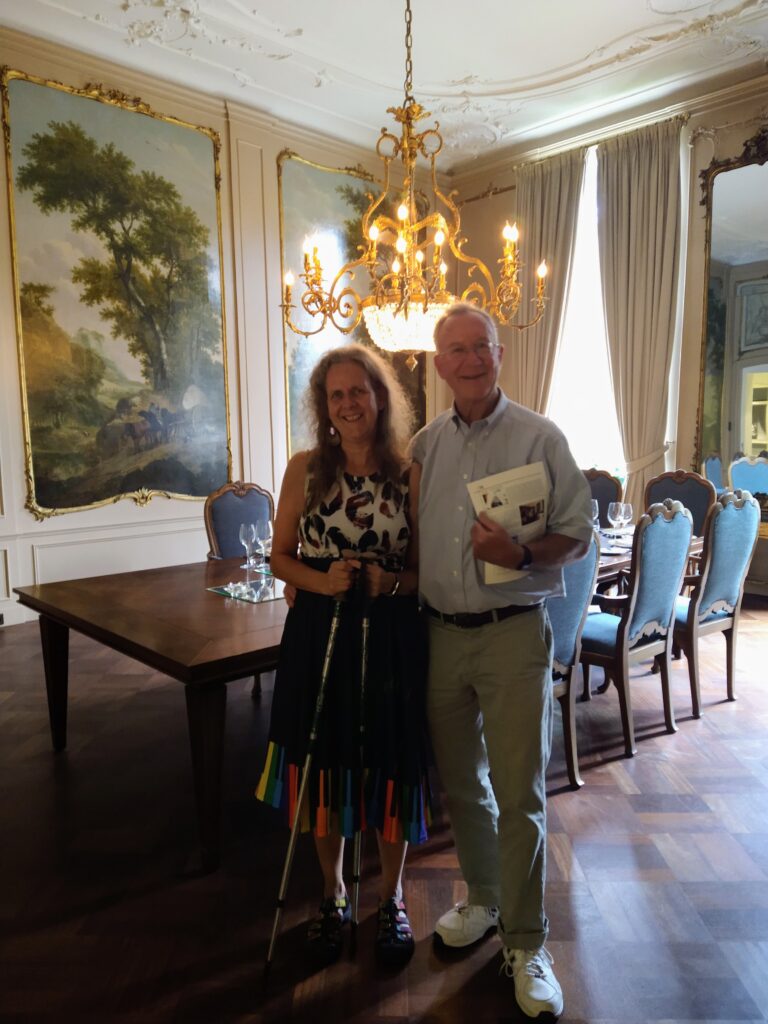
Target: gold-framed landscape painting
x=116, y=246
x=327, y=204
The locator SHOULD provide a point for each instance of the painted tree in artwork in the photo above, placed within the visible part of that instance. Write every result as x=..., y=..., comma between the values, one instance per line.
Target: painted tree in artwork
x=152, y=283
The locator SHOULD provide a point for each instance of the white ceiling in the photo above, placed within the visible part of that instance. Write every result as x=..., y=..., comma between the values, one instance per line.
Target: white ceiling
x=494, y=73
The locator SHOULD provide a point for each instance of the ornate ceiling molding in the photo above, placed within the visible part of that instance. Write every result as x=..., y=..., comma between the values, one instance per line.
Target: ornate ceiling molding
x=635, y=47
x=177, y=25
x=293, y=73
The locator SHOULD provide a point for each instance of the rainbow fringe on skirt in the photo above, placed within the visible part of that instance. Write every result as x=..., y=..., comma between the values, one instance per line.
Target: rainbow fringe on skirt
x=351, y=797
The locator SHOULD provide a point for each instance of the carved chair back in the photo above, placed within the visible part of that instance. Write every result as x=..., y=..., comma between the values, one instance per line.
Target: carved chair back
x=659, y=557
x=568, y=614
x=605, y=488
x=692, y=489
x=730, y=537
x=229, y=506
x=712, y=470
x=747, y=474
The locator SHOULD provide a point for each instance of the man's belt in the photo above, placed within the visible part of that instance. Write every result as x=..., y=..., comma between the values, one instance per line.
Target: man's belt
x=469, y=620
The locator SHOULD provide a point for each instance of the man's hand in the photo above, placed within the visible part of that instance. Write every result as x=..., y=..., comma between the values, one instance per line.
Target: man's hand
x=491, y=543
x=378, y=580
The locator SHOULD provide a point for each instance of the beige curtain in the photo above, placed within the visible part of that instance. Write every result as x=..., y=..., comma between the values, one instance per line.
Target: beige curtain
x=547, y=198
x=638, y=202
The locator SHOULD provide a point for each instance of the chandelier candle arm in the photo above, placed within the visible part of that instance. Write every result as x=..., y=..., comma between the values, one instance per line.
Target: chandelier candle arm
x=403, y=252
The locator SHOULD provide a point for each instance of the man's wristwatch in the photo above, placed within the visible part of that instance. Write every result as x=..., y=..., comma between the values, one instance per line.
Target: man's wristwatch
x=527, y=557
x=395, y=587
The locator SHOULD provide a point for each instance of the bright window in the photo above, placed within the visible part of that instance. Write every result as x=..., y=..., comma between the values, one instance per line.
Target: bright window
x=581, y=400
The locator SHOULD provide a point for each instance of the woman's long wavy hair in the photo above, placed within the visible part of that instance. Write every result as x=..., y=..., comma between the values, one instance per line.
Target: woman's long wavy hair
x=393, y=426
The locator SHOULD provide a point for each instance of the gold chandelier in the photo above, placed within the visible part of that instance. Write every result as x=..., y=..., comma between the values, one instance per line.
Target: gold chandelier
x=404, y=253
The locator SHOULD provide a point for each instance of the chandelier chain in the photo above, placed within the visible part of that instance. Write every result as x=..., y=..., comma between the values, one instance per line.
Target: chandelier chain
x=408, y=57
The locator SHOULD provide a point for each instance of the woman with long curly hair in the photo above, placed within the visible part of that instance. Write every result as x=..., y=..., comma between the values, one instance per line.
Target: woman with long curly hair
x=344, y=511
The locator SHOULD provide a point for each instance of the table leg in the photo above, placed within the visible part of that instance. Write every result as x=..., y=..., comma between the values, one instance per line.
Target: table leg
x=206, y=707
x=55, y=642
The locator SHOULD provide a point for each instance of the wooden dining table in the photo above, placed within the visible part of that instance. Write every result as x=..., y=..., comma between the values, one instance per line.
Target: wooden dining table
x=171, y=620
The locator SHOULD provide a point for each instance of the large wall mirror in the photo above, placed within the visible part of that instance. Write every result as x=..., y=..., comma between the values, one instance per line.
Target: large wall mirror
x=733, y=398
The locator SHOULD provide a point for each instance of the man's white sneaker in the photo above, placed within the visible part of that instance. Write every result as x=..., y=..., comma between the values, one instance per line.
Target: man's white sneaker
x=465, y=924
x=537, y=990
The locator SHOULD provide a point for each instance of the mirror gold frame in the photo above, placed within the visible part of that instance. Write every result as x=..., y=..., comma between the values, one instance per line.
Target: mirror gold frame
x=755, y=152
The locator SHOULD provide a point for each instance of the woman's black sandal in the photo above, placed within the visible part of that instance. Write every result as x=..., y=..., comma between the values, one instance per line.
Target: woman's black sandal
x=324, y=938
x=394, y=938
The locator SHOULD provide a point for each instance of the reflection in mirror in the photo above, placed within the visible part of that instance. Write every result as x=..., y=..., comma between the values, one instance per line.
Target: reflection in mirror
x=734, y=386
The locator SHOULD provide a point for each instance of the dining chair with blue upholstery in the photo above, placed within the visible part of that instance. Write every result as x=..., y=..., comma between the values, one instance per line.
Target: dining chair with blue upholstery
x=567, y=616
x=714, y=604
x=228, y=507
x=712, y=470
x=694, y=491
x=224, y=511
x=638, y=625
x=747, y=474
x=605, y=488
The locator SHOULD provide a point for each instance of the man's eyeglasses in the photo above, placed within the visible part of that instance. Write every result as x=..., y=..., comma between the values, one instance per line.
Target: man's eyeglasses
x=482, y=349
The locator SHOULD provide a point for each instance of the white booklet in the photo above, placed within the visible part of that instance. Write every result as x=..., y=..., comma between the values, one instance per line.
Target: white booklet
x=518, y=499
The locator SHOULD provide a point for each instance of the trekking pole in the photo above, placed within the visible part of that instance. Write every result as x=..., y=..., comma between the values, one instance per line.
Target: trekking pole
x=336, y=617
x=358, y=844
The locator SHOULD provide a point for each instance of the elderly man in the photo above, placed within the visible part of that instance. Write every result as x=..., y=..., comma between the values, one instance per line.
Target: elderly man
x=490, y=683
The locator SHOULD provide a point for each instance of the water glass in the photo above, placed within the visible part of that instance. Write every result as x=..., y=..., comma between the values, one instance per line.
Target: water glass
x=248, y=539
x=264, y=540
x=615, y=514
x=595, y=514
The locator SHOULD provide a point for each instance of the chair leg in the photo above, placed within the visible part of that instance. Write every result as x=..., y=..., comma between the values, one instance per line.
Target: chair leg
x=256, y=688
x=730, y=660
x=691, y=651
x=605, y=685
x=586, y=693
x=568, y=709
x=669, y=711
x=621, y=679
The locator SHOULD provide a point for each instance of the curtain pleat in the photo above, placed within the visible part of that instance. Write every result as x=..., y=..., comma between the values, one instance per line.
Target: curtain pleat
x=547, y=198
x=639, y=201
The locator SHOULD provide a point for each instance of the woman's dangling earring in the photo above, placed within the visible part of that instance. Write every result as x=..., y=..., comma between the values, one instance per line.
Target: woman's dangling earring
x=334, y=437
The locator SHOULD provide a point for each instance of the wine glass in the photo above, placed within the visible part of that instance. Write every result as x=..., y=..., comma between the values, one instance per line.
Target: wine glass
x=595, y=514
x=615, y=515
x=264, y=540
x=247, y=539
x=626, y=513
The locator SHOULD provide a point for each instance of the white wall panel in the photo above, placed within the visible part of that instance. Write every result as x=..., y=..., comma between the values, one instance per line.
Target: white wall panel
x=109, y=553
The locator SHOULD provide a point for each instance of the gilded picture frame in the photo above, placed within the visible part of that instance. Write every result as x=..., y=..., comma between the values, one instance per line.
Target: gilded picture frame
x=115, y=215
x=327, y=204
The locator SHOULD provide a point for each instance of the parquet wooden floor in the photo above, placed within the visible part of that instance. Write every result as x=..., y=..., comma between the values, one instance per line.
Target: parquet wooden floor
x=658, y=868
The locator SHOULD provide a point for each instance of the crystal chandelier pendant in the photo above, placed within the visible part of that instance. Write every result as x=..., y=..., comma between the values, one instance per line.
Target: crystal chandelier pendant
x=396, y=330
